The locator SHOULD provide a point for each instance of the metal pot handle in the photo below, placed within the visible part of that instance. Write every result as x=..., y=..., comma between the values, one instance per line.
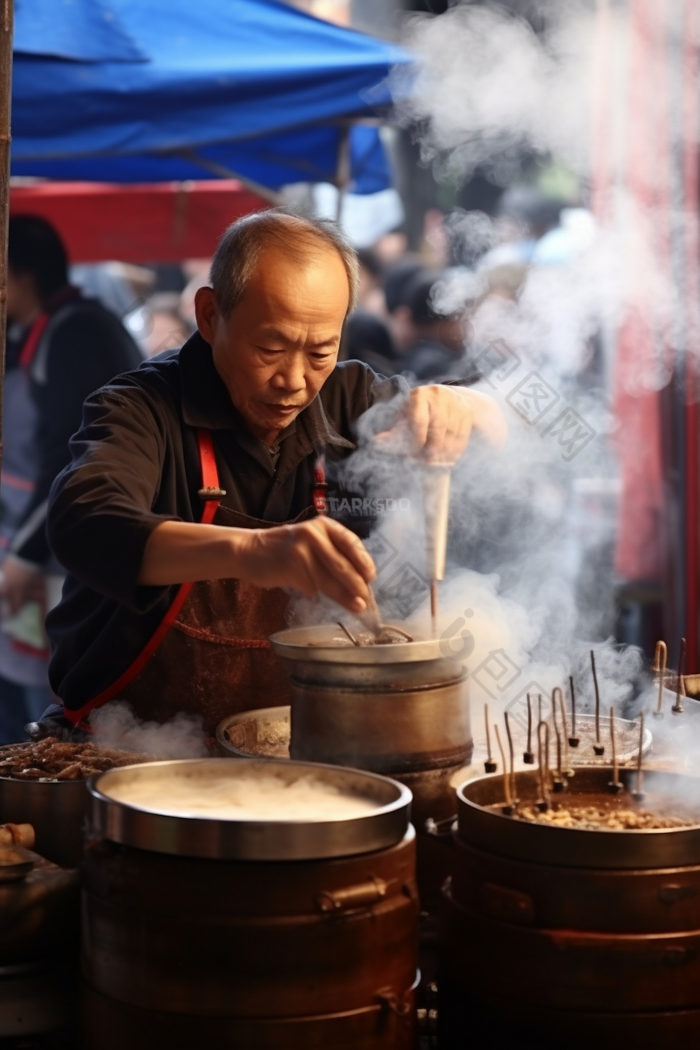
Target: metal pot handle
x=441, y=829
x=361, y=896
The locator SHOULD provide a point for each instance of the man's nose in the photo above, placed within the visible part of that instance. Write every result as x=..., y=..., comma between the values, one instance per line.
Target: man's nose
x=290, y=375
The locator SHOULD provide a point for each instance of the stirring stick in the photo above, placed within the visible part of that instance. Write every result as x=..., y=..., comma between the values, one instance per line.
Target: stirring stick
x=680, y=683
x=508, y=808
x=489, y=765
x=614, y=784
x=543, y=761
x=598, y=746
x=638, y=794
x=573, y=739
x=660, y=658
x=528, y=756
x=513, y=786
x=352, y=637
x=434, y=608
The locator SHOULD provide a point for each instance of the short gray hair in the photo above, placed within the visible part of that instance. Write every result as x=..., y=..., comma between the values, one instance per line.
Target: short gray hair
x=242, y=243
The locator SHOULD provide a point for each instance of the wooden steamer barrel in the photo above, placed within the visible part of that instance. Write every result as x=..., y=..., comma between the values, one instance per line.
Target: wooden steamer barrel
x=266, y=936
x=551, y=933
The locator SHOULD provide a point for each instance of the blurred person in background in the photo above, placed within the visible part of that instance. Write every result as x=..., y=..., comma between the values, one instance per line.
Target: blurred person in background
x=366, y=338
x=61, y=346
x=437, y=339
x=370, y=297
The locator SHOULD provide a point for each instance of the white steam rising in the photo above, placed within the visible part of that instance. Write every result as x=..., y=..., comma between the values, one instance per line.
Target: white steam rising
x=115, y=725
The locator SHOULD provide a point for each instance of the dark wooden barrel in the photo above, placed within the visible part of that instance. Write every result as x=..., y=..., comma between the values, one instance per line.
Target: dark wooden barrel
x=542, y=951
x=183, y=952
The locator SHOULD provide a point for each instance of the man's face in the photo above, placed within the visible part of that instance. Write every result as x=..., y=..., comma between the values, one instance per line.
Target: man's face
x=280, y=343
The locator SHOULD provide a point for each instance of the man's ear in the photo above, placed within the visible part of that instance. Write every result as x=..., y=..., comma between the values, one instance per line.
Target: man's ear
x=206, y=312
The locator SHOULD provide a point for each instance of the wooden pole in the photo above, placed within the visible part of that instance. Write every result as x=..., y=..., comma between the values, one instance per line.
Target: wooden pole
x=5, y=108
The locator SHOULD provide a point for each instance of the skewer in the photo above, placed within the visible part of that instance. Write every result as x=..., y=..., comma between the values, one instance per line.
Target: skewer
x=638, y=794
x=528, y=756
x=539, y=709
x=573, y=739
x=598, y=745
x=568, y=771
x=614, y=784
x=508, y=808
x=659, y=666
x=489, y=765
x=543, y=761
x=513, y=785
x=343, y=628
x=558, y=782
x=680, y=684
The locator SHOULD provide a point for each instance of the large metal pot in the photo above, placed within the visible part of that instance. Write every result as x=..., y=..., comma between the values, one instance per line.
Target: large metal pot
x=399, y=709
x=275, y=935
x=593, y=934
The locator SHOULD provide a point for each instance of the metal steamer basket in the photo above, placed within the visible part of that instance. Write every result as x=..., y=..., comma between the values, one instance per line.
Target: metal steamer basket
x=273, y=934
x=591, y=932
x=397, y=709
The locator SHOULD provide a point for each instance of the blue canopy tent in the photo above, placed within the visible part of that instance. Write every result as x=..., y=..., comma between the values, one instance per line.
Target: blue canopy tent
x=134, y=91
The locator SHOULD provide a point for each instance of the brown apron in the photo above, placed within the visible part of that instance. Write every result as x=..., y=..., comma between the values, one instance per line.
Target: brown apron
x=211, y=655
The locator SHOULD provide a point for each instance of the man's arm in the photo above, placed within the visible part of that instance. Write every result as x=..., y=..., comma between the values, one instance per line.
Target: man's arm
x=311, y=557
x=103, y=529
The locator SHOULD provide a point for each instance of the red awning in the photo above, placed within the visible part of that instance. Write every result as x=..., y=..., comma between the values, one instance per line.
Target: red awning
x=163, y=222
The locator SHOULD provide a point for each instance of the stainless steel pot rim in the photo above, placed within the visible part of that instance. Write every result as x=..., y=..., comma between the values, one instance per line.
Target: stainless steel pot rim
x=42, y=781
x=577, y=847
x=312, y=644
x=133, y=825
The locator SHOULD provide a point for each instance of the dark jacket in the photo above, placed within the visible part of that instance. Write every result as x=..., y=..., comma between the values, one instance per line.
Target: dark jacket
x=135, y=464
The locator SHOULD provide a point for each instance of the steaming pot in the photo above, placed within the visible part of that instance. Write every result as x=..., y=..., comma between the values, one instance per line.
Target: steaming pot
x=401, y=710
x=581, y=936
x=271, y=934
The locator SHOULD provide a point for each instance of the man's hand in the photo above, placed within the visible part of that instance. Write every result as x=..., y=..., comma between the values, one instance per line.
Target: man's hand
x=437, y=423
x=314, y=557
x=21, y=584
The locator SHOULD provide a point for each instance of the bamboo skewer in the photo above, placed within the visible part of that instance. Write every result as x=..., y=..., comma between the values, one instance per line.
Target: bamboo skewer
x=660, y=658
x=638, y=794
x=573, y=739
x=508, y=807
x=513, y=786
x=489, y=765
x=615, y=784
x=528, y=756
x=598, y=746
x=678, y=707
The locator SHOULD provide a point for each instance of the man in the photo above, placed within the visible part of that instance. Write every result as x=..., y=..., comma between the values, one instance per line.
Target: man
x=204, y=465
x=61, y=346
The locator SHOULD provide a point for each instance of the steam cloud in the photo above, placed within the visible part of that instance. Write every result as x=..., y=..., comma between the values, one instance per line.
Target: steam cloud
x=115, y=725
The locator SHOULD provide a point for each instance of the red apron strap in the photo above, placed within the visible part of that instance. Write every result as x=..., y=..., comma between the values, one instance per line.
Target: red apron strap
x=211, y=494
x=33, y=339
